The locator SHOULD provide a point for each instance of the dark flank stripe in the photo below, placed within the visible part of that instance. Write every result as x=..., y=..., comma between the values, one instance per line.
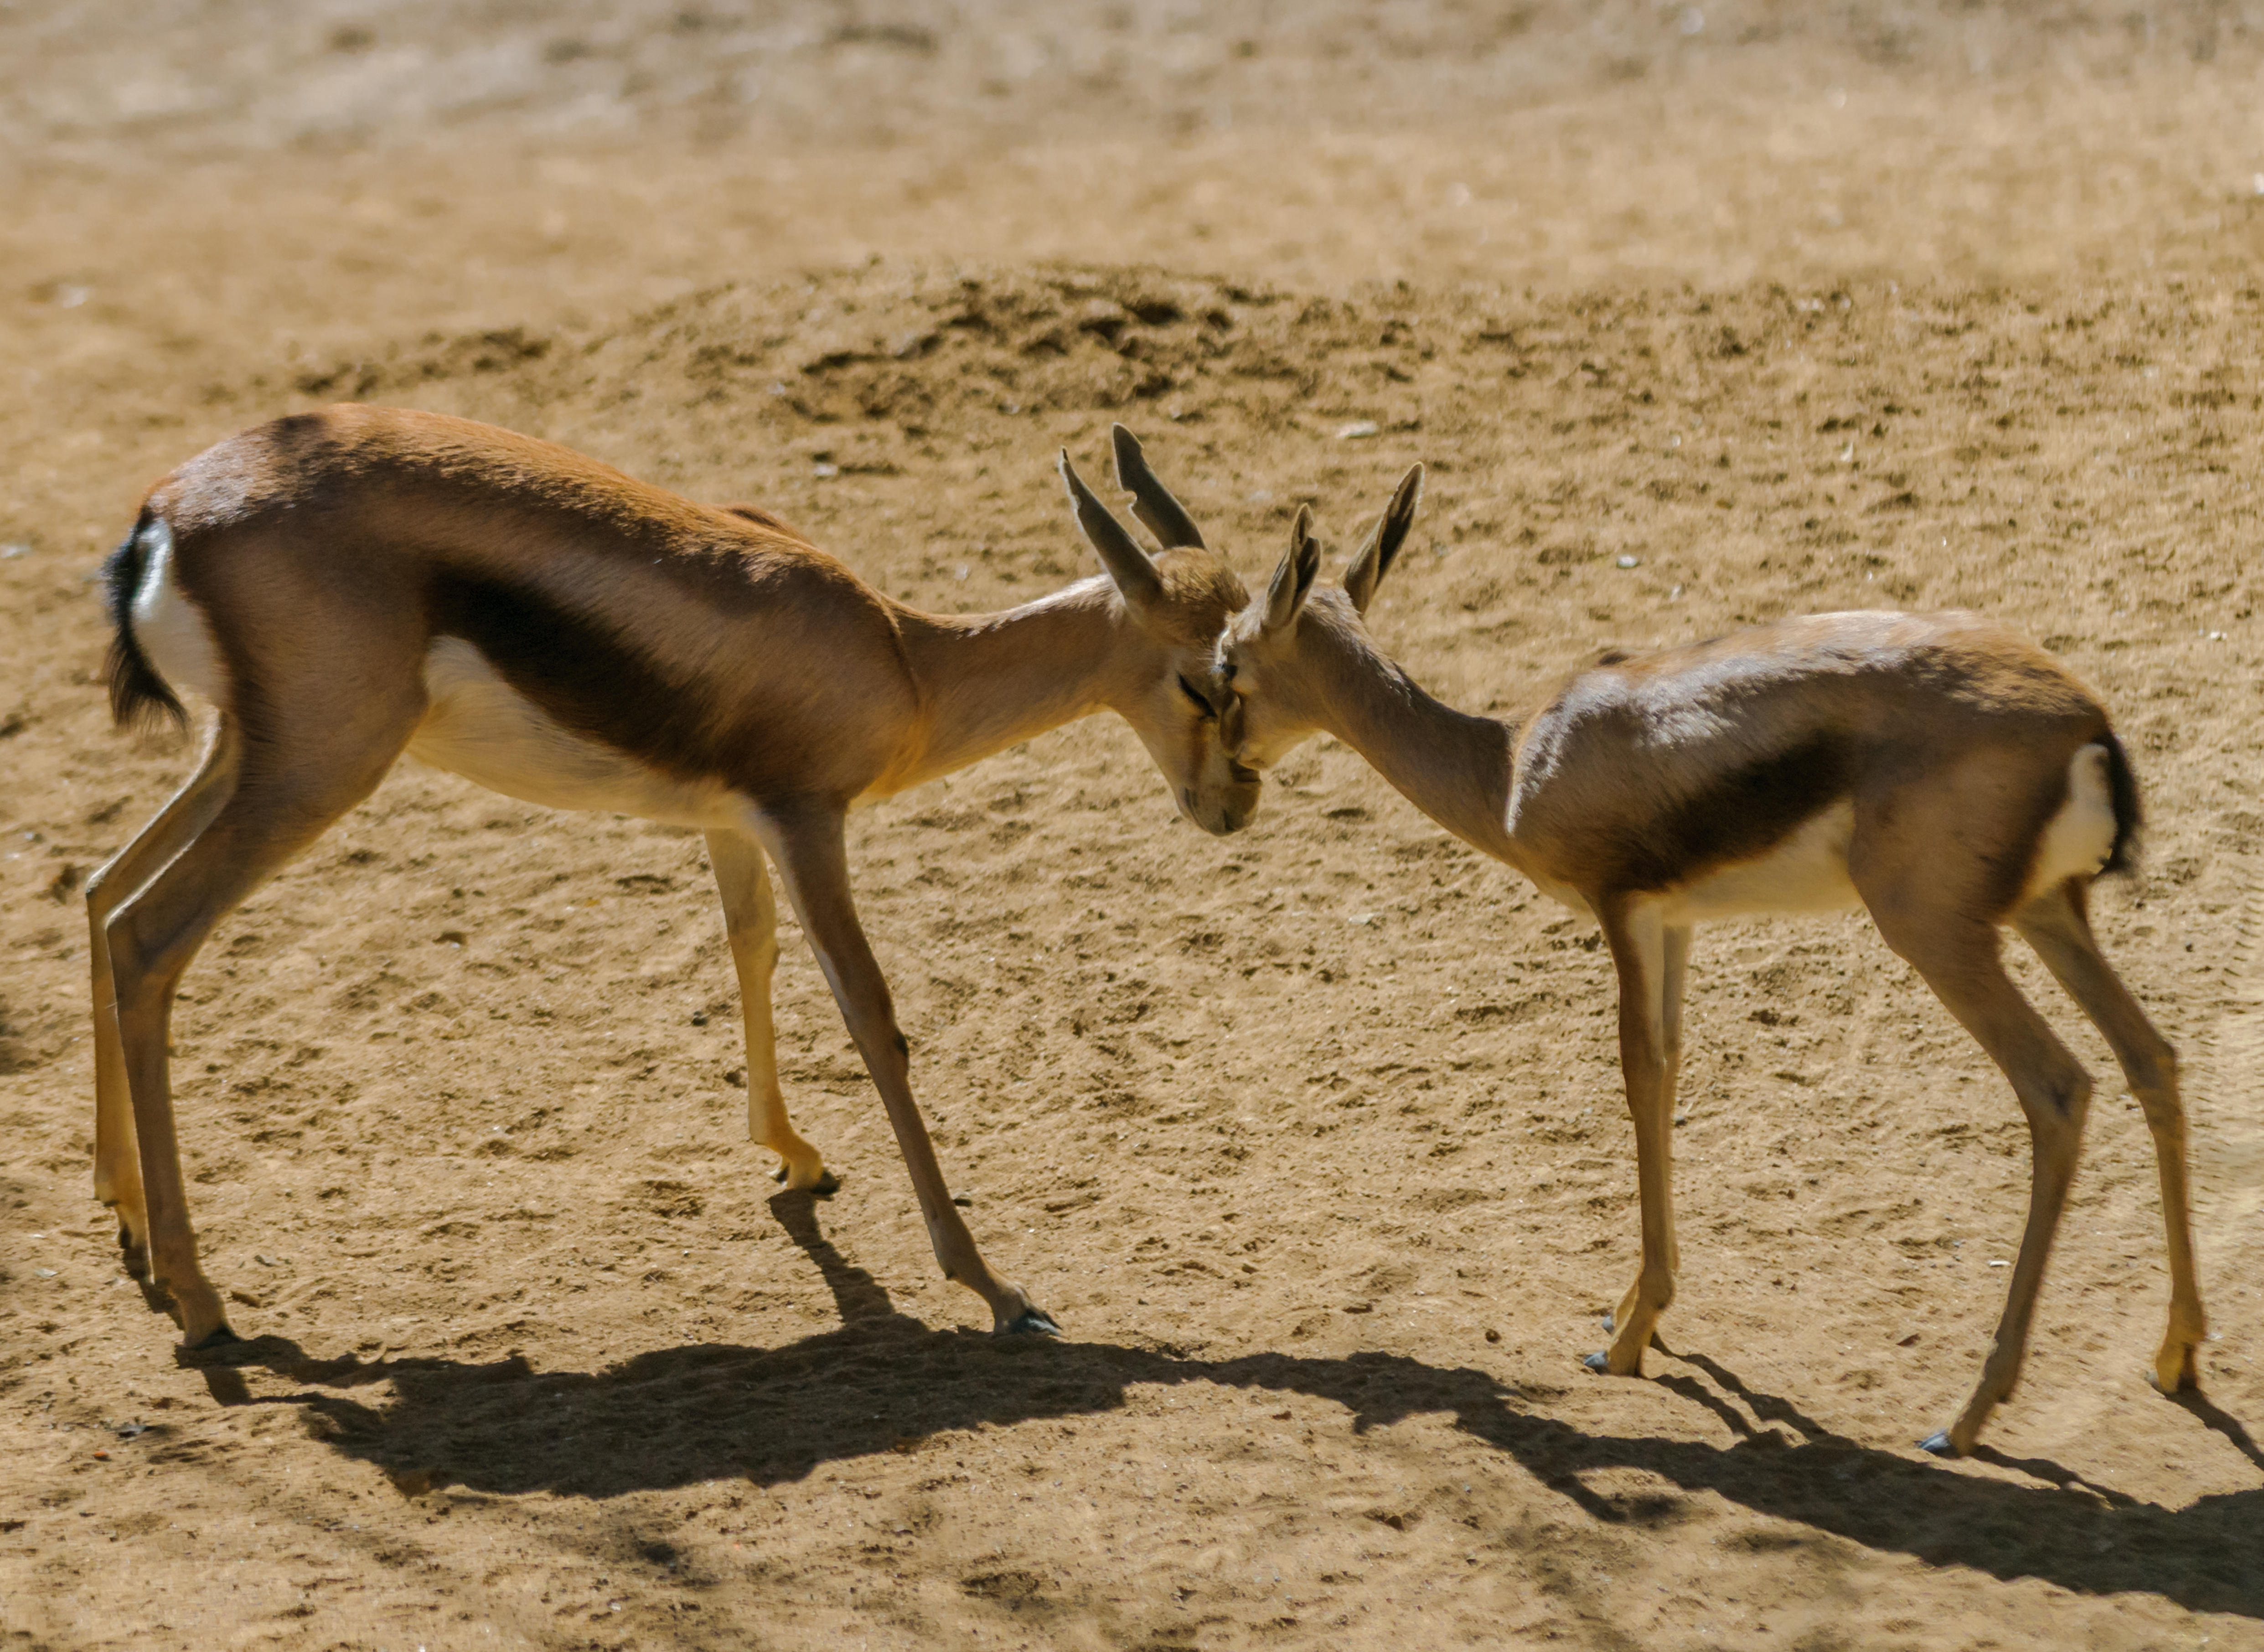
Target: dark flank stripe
x=583, y=673
x=1741, y=816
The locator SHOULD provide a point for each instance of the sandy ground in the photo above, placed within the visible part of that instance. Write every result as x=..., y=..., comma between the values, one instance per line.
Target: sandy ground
x=1311, y=1136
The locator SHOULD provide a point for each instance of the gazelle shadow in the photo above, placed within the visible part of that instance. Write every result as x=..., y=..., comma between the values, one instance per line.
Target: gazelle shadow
x=884, y=1381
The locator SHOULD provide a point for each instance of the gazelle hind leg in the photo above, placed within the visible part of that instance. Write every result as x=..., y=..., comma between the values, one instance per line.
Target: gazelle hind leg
x=1673, y=974
x=1961, y=959
x=117, y=1173
x=282, y=800
x=750, y=922
x=2056, y=924
x=1639, y=947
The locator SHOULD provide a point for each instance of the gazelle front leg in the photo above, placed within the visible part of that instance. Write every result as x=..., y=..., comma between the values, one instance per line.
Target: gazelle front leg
x=813, y=864
x=751, y=921
x=1639, y=954
x=1674, y=972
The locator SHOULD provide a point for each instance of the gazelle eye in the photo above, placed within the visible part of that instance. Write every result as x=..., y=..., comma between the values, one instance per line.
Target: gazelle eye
x=1194, y=694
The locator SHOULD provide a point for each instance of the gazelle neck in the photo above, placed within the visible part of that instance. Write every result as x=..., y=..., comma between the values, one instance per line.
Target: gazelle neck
x=1453, y=766
x=990, y=681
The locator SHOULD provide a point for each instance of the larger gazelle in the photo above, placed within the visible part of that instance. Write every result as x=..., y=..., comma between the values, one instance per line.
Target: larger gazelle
x=1934, y=769
x=353, y=583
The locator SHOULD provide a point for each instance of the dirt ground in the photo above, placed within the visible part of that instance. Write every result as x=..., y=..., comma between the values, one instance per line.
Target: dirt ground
x=1311, y=1136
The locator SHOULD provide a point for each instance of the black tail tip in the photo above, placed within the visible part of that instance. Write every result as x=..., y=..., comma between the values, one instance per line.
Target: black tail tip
x=138, y=698
x=2129, y=814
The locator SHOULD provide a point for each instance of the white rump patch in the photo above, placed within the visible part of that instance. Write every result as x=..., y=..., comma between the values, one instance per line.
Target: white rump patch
x=173, y=633
x=482, y=727
x=2079, y=838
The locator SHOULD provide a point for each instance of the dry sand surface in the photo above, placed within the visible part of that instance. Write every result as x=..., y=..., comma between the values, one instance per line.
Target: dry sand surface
x=1312, y=1136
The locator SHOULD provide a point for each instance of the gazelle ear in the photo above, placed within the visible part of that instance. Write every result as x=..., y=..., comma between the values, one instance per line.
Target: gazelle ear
x=1369, y=567
x=1159, y=513
x=1120, y=554
x=1294, y=578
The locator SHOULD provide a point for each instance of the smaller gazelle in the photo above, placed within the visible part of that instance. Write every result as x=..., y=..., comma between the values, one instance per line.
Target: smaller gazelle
x=1935, y=769
x=351, y=584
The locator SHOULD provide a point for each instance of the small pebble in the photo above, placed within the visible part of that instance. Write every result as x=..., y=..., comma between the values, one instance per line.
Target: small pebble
x=1356, y=429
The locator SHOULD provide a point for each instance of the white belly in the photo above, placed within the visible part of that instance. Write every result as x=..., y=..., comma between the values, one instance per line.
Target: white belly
x=482, y=727
x=1806, y=872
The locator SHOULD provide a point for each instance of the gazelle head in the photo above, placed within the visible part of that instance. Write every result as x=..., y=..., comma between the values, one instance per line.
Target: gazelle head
x=1178, y=604
x=1276, y=657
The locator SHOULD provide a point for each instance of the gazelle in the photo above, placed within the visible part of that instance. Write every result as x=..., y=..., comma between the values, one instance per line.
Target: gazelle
x=1935, y=769
x=350, y=584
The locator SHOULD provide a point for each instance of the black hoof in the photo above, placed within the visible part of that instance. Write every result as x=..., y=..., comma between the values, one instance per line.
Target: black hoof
x=1033, y=1321
x=824, y=1187
x=1938, y=1443
x=1600, y=1362
x=222, y=1336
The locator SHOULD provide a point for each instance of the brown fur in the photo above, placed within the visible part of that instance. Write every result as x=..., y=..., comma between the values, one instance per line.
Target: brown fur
x=730, y=661
x=1950, y=740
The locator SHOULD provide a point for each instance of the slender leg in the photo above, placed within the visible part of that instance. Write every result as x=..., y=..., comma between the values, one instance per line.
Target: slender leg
x=283, y=799
x=751, y=920
x=1961, y=959
x=2059, y=928
x=1638, y=946
x=117, y=1174
x=813, y=864
x=1674, y=967
x=1673, y=977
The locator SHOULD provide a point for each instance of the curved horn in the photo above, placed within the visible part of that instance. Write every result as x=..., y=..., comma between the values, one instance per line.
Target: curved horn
x=1294, y=578
x=1374, y=562
x=1159, y=513
x=1120, y=553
